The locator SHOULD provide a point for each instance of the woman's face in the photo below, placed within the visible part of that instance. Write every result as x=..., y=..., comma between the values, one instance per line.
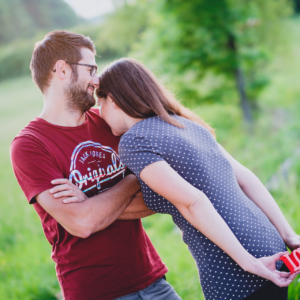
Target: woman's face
x=112, y=115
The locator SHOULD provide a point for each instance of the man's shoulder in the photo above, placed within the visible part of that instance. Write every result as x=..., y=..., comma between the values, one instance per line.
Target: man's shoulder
x=94, y=111
x=30, y=133
x=94, y=114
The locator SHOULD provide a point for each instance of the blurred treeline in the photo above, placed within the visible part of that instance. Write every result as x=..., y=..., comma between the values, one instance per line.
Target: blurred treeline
x=218, y=56
x=24, y=18
x=225, y=44
x=21, y=23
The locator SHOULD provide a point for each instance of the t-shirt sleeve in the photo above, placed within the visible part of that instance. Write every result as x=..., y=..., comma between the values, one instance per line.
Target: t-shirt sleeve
x=33, y=166
x=137, y=152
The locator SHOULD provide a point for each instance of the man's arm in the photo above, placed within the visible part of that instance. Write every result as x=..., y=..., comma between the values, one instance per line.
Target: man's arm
x=94, y=214
x=137, y=209
x=70, y=193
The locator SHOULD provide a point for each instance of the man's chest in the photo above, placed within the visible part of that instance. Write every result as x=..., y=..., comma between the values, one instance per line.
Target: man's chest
x=91, y=162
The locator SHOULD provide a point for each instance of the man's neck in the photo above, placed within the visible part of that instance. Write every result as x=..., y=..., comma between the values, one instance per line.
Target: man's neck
x=56, y=112
x=66, y=119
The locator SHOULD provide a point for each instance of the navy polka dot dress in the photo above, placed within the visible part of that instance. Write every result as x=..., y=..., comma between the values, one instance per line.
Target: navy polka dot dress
x=194, y=154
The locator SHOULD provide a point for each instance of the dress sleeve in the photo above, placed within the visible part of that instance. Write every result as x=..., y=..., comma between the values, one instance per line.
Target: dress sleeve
x=33, y=166
x=137, y=152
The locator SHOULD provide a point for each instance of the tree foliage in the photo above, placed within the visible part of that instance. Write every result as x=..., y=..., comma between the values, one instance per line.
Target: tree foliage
x=119, y=31
x=297, y=6
x=113, y=38
x=24, y=18
x=229, y=38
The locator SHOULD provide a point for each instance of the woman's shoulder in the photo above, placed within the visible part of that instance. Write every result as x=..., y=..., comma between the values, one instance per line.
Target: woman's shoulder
x=156, y=127
x=145, y=129
x=145, y=126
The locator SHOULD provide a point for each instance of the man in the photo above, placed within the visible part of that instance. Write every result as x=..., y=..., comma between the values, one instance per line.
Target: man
x=96, y=257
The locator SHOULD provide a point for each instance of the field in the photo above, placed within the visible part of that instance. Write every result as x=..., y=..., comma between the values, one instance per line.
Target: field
x=26, y=269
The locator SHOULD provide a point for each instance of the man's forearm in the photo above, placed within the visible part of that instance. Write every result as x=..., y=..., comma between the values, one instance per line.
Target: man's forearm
x=106, y=207
x=136, y=215
x=137, y=209
x=94, y=214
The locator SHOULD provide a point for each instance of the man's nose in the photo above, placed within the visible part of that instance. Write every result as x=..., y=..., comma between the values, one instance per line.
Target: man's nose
x=95, y=81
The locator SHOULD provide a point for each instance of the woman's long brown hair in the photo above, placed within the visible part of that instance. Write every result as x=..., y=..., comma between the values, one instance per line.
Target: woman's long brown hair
x=139, y=94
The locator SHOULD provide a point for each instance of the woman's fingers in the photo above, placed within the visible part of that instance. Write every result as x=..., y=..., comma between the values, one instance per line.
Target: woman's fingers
x=267, y=269
x=284, y=279
x=293, y=241
x=278, y=255
x=281, y=281
x=292, y=276
x=283, y=274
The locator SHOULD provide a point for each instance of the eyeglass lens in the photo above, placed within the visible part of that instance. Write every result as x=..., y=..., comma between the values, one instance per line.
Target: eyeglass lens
x=93, y=71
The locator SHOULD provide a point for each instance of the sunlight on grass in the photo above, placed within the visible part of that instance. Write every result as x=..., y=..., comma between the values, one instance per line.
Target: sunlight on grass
x=26, y=269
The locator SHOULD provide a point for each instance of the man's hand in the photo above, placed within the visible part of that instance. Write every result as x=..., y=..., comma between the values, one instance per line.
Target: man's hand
x=64, y=189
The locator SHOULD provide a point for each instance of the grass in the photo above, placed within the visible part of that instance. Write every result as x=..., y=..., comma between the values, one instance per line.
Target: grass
x=26, y=269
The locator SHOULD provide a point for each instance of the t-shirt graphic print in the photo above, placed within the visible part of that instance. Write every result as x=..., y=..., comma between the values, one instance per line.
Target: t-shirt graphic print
x=93, y=166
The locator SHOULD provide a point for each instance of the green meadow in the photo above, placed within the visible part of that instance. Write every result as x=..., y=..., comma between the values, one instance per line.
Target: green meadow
x=26, y=269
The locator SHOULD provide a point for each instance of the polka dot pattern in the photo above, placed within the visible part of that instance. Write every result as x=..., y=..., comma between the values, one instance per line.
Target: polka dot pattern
x=194, y=154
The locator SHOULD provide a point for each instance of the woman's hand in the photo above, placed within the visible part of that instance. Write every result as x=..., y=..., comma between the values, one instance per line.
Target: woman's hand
x=265, y=267
x=292, y=241
x=67, y=189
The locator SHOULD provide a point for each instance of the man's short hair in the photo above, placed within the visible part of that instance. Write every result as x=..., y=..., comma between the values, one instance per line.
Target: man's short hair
x=57, y=45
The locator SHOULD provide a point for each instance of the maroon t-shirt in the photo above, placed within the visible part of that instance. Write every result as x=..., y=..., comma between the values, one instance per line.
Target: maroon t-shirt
x=111, y=263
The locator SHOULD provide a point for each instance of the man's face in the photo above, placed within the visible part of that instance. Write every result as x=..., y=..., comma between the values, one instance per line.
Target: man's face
x=80, y=93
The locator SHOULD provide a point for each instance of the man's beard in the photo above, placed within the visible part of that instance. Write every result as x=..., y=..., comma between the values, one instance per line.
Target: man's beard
x=78, y=99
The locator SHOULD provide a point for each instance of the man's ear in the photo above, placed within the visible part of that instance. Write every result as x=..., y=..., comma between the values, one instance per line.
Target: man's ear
x=62, y=69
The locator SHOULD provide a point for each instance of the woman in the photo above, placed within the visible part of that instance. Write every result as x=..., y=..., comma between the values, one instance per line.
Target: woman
x=231, y=224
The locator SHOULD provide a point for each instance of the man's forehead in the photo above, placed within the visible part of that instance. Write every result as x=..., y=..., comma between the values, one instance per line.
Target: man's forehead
x=87, y=56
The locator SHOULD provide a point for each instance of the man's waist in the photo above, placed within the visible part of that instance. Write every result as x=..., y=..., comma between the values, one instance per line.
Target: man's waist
x=108, y=281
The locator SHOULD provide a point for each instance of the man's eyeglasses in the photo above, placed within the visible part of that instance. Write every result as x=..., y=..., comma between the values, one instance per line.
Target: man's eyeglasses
x=93, y=70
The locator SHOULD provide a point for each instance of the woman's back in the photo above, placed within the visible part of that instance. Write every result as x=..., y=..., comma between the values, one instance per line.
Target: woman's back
x=195, y=155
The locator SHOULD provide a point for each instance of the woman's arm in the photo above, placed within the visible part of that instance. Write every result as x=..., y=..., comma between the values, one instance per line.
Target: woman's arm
x=199, y=211
x=256, y=191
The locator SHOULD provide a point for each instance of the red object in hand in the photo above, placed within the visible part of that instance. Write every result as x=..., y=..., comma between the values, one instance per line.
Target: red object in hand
x=292, y=260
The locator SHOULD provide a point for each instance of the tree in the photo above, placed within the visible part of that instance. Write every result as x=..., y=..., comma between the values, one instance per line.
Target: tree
x=227, y=38
x=113, y=37
x=118, y=31
x=297, y=6
x=24, y=18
